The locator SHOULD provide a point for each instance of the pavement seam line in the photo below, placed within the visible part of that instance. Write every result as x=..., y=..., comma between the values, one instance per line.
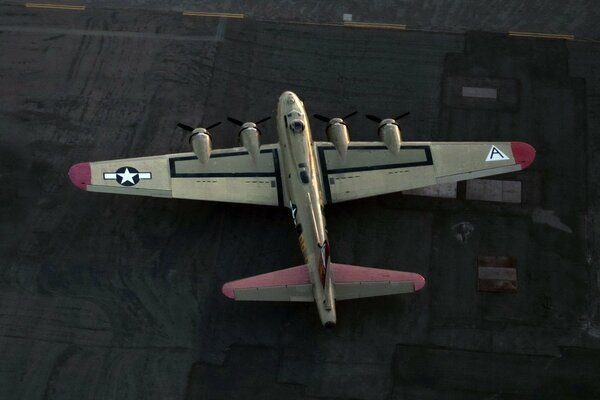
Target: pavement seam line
x=88, y=32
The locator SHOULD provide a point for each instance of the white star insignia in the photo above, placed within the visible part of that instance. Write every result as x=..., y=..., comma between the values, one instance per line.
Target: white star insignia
x=127, y=176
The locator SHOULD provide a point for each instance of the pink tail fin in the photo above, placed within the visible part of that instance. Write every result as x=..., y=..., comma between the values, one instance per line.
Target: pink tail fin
x=351, y=282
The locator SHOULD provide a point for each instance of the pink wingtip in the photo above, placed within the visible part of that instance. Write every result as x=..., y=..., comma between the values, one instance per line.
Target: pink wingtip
x=228, y=290
x=81, y=175
x=419, y=282
x=523, y=153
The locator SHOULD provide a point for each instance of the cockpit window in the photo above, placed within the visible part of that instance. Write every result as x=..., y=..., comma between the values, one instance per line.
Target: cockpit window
x=297, y=126
x=304, y=176
x=303, y=173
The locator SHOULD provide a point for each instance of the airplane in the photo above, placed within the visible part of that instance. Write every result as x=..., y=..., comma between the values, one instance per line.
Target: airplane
x=305, y=175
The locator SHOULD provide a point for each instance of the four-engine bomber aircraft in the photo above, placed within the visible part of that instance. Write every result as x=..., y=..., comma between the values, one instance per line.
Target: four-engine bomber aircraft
x=305, y=175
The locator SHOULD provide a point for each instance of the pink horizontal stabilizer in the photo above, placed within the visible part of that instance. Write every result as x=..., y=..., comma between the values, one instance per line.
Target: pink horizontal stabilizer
x=289, y=276
x=523, y=153
x=81, y=175
x=344, y=273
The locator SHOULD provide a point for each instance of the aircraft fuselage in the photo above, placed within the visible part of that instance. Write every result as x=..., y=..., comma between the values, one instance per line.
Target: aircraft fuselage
x=303, y=185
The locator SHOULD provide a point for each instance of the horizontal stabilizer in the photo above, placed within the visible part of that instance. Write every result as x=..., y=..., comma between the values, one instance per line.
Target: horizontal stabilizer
x=291, y=284
x=353, y=282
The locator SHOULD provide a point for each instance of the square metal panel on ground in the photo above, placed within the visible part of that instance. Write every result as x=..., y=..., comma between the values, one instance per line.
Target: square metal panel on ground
x=497, y=274
x=493, y=190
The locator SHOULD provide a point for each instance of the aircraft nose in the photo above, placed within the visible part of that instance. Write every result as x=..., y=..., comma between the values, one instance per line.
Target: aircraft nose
x=287, y=95
x=81, y=175
x=523, y=153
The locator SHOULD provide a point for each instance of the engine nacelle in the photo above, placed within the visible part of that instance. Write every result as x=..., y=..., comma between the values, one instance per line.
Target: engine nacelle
x=249, y=137
x=389, y=133
x=337, y=133
x=201, y=144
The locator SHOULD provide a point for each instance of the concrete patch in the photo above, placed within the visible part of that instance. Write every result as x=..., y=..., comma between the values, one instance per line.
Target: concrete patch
x=547, y=217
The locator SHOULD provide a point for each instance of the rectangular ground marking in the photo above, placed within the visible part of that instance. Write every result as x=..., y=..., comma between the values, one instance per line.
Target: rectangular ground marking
x=480, y=92
x=374, y=25
x=443, y=190
x=212, y=14
x=347, y=17
x=539, y=35
x=497, y=274
x=494, y=190
x=55, y=6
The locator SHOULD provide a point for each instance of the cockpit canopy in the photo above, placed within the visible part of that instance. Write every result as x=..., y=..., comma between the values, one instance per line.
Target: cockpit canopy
x=297, y=126
x=295, y=121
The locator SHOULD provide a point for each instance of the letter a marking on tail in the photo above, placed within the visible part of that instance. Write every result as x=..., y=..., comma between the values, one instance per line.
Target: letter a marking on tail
x=496, y=155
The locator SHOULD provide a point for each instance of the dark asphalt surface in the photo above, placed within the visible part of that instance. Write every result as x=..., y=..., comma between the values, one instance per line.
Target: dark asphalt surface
x=576, y=17
x=119, y=297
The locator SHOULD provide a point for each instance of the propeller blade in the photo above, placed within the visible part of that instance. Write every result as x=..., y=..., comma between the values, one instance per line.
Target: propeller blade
x=350, y=115
x=213, y=125
x=374, y=118
x=185, y=127
x=262, y=120
x=235, y=121
x=321, y=117
x=402, y=115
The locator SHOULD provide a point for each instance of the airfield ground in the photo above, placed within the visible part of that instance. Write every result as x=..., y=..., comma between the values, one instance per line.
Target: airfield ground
x=119, y=297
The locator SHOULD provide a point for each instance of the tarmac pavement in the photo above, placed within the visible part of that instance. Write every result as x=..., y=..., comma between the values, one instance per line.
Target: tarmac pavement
x=119, y=297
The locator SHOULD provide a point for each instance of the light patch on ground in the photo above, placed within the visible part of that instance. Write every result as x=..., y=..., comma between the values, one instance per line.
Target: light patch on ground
x=463, y=230
x=547, y=217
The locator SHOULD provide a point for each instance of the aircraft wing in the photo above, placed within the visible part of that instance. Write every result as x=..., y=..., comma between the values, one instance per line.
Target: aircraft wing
x=230, y=175
x=370, y=169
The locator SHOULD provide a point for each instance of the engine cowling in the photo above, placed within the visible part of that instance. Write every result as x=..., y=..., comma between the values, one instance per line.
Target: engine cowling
x=249, y=137
x=389, y=133
x=201, y=144
x=337, y=133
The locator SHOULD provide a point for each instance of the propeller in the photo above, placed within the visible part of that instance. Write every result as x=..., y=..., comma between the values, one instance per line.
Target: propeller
x=190, y=129
x=327, y=119
x=240, y=123
x=185, y=127
x=375, y=118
